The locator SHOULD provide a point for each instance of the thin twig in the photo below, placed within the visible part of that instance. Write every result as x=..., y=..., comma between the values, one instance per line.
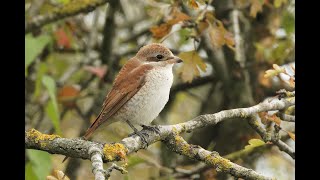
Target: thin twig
x=61, y=13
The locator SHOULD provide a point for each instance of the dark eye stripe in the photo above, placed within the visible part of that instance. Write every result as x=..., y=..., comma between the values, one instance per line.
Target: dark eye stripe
x=159, y=56
x=154, y=59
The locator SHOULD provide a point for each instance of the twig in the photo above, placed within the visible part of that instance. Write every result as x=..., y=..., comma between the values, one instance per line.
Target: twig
x=239, y=54
x=61, y=13
x=114, y=166
x=286, y=117
x=254, y=123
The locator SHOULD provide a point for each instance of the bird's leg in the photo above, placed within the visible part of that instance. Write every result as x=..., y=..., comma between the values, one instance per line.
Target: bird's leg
x=132, y=127
x=141, y=135
x=151, y=128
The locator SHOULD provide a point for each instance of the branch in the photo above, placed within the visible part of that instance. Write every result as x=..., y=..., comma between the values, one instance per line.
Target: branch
x=286, y=117
x=179, y=145
x=78, y=148
x=68, y=10
x=97, y=164
x=264, y=134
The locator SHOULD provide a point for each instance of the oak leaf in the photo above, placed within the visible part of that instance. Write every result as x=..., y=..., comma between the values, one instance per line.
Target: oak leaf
x=191, y=62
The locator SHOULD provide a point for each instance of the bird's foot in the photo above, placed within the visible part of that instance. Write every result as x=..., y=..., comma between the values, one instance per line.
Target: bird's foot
x=143, y=137
x=151, y=128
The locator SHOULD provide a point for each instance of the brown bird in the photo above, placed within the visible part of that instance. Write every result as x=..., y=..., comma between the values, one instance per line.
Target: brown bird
x=141, y=89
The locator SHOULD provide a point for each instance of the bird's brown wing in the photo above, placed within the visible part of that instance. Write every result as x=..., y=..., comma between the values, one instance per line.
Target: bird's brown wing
x=124, y=88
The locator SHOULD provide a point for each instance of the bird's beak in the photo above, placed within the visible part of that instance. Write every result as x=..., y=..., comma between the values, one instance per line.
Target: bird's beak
x=174, y=60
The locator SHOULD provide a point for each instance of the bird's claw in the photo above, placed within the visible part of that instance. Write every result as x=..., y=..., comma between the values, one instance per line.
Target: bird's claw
x=151, y=128
x=143, y=137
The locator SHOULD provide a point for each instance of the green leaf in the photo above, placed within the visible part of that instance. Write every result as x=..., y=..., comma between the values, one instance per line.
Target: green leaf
x=288, y=22
x=184, y=35
x=53, y=114
x=29, y=174
x=52, y=106
x=40, y=164
x=254, y=143
x=33, y=47
x=42, y=69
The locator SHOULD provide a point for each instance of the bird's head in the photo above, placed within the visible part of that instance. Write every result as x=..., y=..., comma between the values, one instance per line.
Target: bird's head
x=156, y=53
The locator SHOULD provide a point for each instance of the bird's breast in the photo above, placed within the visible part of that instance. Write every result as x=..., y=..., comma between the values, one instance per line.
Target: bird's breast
x=149, y=101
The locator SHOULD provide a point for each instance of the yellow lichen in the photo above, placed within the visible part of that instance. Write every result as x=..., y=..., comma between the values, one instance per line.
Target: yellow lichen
x=218, y=161
x=185, y=148
x=114, y=151
x=40, y=138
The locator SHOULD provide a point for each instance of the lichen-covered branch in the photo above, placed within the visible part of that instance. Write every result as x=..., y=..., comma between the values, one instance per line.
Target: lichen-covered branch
x=263, y=133
x=78, y=148
x=97, y=163
x=177, y=144
x=68, y=10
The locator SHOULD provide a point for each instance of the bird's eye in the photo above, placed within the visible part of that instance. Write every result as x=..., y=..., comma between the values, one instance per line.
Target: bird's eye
x=159, y=56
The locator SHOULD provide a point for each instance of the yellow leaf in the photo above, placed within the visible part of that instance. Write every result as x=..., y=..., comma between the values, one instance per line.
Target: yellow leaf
x=270, y=73
x=191, y=62
x=254, y=143
x=216, y=35
x=219, y=36
x=57, y=175
x=292, y=136
x=256, y=6
x=278, y=68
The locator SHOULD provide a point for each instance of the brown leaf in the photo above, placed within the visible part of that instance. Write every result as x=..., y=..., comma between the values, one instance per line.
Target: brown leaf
x=275, y=119
x=292, y=82
x=178, y=16
x=68, y=94
x=98, y=71
x=219, y=36
x=163, y=29
x=191, y=62
x=266, y=82
x=159, y=32
x=216, y=35
x=201, y=26
x=62, y=38
x=229, y=39
x=256, y=6
x=193, y=4
x=292, y=135
x=263, y=118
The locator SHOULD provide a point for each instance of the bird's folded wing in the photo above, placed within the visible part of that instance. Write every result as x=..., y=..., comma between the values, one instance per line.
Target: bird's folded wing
x=124, y=88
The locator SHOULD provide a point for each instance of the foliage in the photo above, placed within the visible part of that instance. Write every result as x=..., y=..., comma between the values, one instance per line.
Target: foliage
x=67, y=80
